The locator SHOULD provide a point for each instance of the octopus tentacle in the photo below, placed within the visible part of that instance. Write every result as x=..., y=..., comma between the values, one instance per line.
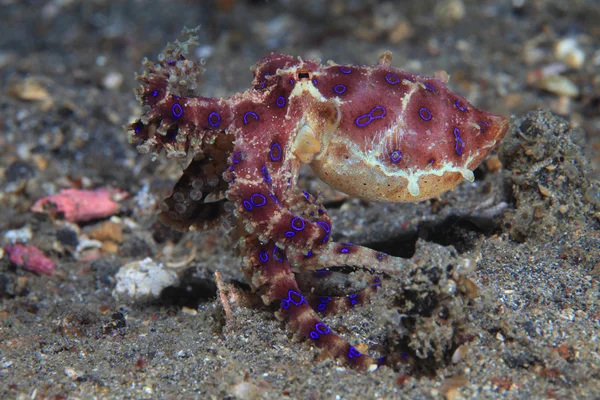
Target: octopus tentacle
x=329, y=304
x=335, y=254
x=270, y=274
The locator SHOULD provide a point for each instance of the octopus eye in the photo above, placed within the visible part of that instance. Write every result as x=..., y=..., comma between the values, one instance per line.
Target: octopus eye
x=303, y=74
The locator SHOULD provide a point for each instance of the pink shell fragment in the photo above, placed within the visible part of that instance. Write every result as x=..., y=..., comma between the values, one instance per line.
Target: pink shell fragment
x=30, y=258
x=76, y=205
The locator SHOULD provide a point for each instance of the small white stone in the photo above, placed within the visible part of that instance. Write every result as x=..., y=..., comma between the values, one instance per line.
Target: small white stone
x=142, y=280
x=568, y=51
x=22, y=235
x=112, y=80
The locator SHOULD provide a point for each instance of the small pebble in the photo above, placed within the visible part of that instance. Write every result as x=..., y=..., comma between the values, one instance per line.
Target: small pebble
x=568, y=51
x=559, y=85
x=143, y=280
x=112, y=80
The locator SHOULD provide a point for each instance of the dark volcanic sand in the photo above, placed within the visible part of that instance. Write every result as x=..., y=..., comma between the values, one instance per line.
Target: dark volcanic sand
x=526, y=235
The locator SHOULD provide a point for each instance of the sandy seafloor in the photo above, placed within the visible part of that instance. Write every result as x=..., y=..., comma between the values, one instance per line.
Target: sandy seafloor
x=527, y=234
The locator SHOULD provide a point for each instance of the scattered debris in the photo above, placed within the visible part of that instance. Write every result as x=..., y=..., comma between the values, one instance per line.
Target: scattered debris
x=559, y=85
x=568, y=51
x=30, y=258
x=22, y=235
x=76, y=205
x=30, y=89
x=143, y=280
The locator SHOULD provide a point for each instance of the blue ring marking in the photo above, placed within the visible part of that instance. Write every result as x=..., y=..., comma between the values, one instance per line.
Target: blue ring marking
x=171, y=62
x=325, y=239
x=483, y=126
x=377, y=282
x=252, y=114
x=285, y=303
x=211, y=117
x=237, y=157
x=352, y=298
x=458, y=147
x=294, y=225
x=290, y=234
x=339, y=89
x=154, y=93
x=309, y=254
x=292, y=81
x=276, y=254
x=265, y=174
x=322, y=329
x=370, y=116
x=324, y=225
x=315, y=82
x=280, y=101
x=262, y=200
x=274, y=198
x=275, y=152
x=323, y=302
x=345, y=70
x=460, y=106
x=313, y=335
x=306, y=195
x=353, y=353
x=138, y=127
x=429, y=87
x=247, y=205
x=344, y=250
x=392, y=79
x=395, y=156
x=264, y=256
x=424, y=110
x=177, y=110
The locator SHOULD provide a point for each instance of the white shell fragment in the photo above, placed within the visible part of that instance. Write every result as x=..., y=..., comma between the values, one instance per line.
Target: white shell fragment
x=142, y=280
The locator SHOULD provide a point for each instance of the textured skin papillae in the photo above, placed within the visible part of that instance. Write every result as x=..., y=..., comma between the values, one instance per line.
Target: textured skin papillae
x=373, y=132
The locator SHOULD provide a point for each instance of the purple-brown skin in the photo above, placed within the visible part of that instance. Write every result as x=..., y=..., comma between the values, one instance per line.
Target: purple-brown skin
x=373, y=132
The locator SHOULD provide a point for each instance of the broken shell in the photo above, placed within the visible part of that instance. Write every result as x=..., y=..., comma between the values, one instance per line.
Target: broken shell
x=559, y=85
x=568, y=51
